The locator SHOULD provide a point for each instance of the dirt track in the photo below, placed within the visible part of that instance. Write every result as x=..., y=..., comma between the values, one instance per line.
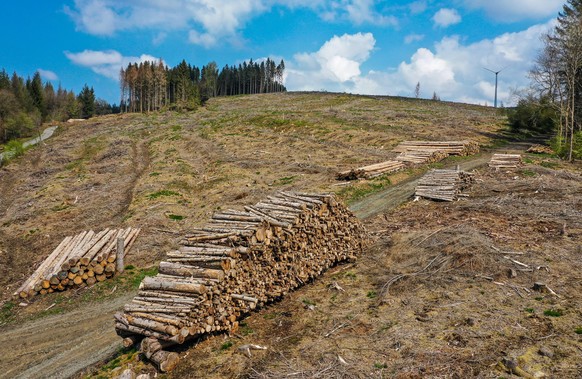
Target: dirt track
x=61, y=345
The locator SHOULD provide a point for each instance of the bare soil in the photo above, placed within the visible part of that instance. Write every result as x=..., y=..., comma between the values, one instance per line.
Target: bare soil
x=168, y=172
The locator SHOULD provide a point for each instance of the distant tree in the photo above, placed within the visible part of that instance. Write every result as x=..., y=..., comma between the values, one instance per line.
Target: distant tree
x=4, y=80
x=37, y=94
x=86, y=100
x=435, y=97
x=417, y=90
x=102, y=107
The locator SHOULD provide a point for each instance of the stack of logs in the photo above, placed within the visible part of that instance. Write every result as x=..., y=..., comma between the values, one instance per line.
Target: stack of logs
x=499, y=161
x=420, y=152
x=78, y=261
x=445, y=185
x=540, y=149
x=239, y=261
x=422, y=156
x=371, y=171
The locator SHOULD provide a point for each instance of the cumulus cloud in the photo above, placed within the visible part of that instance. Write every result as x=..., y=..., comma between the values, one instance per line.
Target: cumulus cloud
x=450, y=68
x=335, y=65
x=47, y=74
x=446, y=17
x=107, y=63
x=208, y=21
x=514, y=10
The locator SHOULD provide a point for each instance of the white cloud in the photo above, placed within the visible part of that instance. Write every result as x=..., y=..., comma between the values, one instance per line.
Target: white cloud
x=514, y=10
x=107, y=63
x=413, y=38
x=418, y=7
x=362, y=11
x=446, y=17
x=47, y=74
x=208, y=21
x=159, y=38
x=451, y=69
x=335, y=65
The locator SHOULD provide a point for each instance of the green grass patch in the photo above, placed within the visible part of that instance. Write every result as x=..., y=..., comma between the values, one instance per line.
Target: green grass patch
x=284, y=181
x=528, y=173
x=60, y=207
x=225, y=346
x=529, y=310
x=358, y=191
x=155, y=173
x=578, y=330
x=372, y=294
x=380, y=366
x=245, y=329
x=547, y=164
x=175, y=217
x=7, y=312
x=553, y=312
x=350, y=274
x=161, y=193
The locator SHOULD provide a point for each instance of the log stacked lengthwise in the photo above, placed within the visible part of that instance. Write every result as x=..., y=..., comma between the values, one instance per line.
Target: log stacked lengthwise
x=239, y=261
x=423, y=152
x=371, y=171
x=444, y=185
x=78, y=261
x=505, y=161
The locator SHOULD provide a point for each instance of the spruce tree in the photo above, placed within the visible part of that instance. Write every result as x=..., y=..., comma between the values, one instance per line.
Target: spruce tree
x=86, y=99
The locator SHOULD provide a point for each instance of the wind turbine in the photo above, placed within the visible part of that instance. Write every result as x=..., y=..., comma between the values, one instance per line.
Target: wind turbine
x=496, y=74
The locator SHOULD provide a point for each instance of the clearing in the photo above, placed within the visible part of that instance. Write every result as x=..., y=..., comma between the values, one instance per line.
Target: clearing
x=168, y=172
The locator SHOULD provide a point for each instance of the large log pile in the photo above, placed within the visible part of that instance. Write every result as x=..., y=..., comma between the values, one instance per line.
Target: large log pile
x=78, y=261
x=240, y=260
x=505, y=161
x=461, y=148
x=444, y=185
x=371, y=171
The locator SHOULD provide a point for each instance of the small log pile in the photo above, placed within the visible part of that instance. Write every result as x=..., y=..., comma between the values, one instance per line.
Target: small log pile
x=499, y=161
x=461, y=148
x=445, y=185
x=239, y=261
x=540, y=149
x=422, y=156
x=78, y=261
x=371, y=171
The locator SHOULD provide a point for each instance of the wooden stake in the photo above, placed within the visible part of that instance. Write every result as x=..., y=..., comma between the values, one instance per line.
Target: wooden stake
x=120, y=255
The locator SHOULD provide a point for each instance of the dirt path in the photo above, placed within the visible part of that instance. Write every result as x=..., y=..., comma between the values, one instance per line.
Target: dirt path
x=392, y=197
x=61, y=345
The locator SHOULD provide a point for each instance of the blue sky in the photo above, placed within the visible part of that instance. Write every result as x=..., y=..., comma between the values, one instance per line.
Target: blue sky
x=356, y=46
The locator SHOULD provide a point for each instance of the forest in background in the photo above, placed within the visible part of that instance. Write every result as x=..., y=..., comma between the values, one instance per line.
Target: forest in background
x=151, y=86
x=26, y=103
x=552, y=104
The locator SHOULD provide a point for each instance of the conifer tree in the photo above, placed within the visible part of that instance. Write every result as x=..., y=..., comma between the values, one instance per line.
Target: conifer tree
x=86, y=100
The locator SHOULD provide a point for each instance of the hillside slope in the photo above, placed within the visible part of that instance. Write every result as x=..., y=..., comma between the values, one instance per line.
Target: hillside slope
x=167, y=172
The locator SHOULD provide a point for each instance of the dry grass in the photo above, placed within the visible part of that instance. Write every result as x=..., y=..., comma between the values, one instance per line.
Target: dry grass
x=168, y=172
x=454, y=312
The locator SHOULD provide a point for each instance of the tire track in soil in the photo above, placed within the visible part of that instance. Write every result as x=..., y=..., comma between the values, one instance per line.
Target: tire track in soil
x=60, y=346
x=141, y=161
